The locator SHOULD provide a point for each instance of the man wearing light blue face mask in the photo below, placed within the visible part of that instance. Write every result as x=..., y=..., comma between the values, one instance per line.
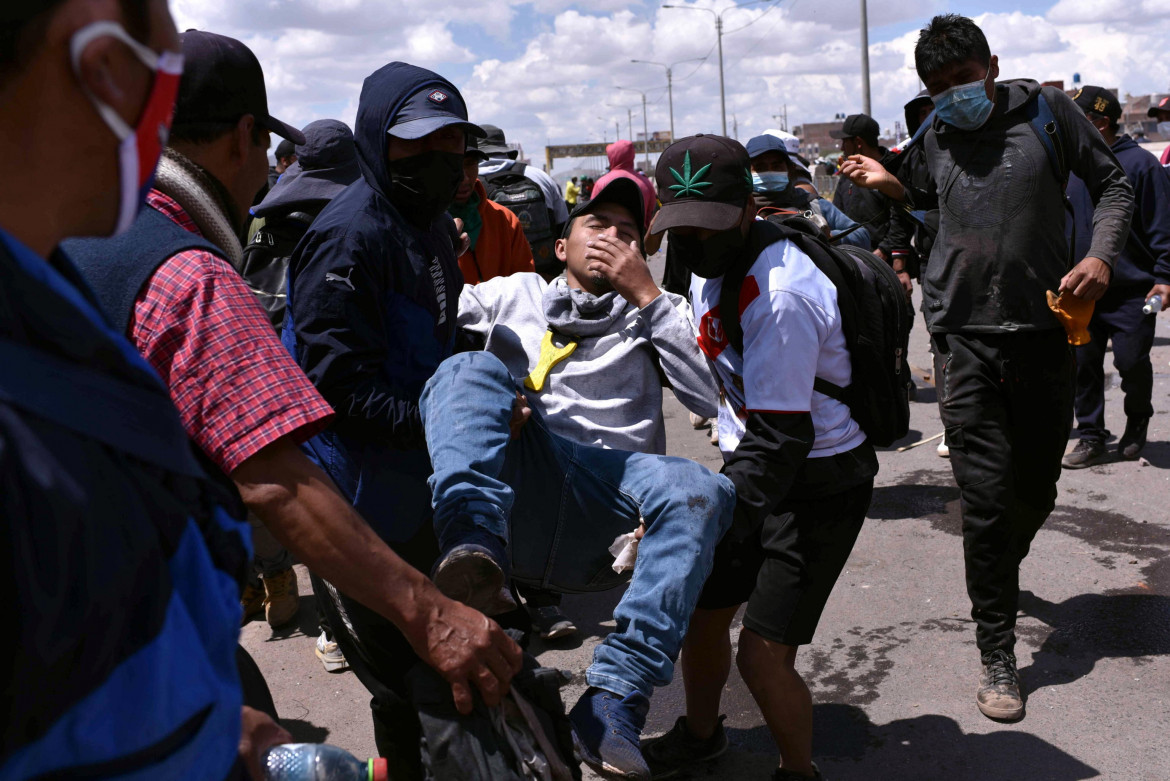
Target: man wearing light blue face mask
x=999, y=157
x=773, y=190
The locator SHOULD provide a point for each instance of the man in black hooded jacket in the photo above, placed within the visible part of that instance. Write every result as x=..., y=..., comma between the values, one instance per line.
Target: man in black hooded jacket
x=372, y=306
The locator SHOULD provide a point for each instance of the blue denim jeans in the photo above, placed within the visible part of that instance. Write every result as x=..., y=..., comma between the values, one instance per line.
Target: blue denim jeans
x=559, y=505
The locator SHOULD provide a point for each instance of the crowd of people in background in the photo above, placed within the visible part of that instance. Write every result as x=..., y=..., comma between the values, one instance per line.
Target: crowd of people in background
x=419, y=366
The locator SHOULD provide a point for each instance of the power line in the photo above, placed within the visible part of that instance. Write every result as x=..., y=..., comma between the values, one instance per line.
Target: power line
x=764, y=36
x=753, y=21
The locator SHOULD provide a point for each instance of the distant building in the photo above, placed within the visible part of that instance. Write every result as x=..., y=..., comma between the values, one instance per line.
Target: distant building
x=1134, y=119
x=815, y=139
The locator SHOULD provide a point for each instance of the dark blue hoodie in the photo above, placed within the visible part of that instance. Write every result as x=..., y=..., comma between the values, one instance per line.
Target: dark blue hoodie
x=372, y=305
x=1145, y=259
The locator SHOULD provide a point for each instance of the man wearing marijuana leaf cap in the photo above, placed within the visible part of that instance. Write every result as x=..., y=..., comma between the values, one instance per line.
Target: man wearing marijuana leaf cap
x=802, y=468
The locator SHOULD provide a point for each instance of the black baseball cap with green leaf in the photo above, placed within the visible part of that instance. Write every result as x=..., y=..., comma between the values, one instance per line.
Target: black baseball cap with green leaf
x=703, y=182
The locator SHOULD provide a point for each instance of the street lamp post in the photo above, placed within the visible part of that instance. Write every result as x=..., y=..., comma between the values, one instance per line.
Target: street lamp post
x=645, y=127
x=719, y=37
x=669, y=84
x=865, y=60
x=629, y=117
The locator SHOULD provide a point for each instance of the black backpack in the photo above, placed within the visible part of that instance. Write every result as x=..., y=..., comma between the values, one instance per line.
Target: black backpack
x=875, y=318
x=264, y=266
x=511, y=188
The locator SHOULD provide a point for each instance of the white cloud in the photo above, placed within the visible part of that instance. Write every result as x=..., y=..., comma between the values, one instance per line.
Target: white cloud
x=1097, y=12
x=553, y=82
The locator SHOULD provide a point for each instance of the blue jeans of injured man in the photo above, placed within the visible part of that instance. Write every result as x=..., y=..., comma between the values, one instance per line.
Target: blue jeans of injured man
x=559, y=505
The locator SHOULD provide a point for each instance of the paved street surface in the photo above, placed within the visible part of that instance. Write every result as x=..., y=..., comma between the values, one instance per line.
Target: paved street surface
x=893, y=667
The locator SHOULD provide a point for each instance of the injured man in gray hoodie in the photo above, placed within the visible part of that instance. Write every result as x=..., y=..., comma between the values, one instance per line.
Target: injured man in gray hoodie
x=548, y=445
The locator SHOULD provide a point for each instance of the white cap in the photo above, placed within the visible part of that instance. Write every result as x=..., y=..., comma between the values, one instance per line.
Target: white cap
x=792, y=146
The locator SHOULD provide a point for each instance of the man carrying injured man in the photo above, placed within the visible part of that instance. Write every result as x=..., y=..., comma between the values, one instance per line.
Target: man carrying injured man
x=548, y=444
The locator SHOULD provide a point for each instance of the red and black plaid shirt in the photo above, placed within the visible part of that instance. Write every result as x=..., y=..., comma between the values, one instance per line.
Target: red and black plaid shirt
x=236, y=387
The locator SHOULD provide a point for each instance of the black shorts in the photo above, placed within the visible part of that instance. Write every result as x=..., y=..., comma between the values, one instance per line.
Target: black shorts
x=787, y=571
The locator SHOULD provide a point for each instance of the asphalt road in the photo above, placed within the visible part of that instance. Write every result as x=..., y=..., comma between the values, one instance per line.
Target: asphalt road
x=893, y=667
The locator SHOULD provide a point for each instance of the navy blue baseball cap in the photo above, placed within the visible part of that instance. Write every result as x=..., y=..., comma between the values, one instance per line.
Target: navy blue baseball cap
x=766, y=143
x=431, y=108
x=222, y=81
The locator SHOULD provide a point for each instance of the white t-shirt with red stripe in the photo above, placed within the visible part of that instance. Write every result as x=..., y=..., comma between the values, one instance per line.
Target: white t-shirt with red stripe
x=791, y=335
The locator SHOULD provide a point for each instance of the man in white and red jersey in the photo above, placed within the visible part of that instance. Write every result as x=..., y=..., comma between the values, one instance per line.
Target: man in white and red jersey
x=802, y=468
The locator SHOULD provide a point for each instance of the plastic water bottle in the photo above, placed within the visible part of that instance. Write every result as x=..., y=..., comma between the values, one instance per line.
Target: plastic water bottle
x=320, y=762
x=1153, y=305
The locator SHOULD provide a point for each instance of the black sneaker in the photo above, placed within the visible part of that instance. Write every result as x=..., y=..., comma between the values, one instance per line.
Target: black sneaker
x=999, y=695
x=1086, y=453
x=551, y=623
x=1129, y=447
x=787, y=775
x=679, y=749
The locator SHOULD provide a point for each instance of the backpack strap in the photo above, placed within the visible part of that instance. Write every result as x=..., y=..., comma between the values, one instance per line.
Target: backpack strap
x=1044, y=125
x=765, y=233
x=918, y=134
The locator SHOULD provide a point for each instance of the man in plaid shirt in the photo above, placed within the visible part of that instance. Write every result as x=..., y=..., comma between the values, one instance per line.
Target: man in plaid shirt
x=239, y=394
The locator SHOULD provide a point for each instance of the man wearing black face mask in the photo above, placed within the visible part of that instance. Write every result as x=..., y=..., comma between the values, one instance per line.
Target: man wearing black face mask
x=373, y=294
x=802, y=467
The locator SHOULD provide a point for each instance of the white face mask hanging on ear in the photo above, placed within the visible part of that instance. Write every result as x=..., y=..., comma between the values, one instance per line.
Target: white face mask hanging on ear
x=140, y=146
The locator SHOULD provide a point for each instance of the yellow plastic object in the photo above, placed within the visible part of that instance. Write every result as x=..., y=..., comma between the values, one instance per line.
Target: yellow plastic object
x=550, y=356
x=1073, y=313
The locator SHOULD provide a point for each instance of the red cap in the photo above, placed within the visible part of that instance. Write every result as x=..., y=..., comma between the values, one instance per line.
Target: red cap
x=379, y=769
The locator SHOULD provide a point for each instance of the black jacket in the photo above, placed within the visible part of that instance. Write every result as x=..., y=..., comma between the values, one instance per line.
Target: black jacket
x=1001, y=240
x=372, y=306
x=868, y=207
x=1145, y=259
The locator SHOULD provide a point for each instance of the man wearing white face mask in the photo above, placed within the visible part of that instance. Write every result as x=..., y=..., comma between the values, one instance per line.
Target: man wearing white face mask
x=121, y=562
x=999, y=155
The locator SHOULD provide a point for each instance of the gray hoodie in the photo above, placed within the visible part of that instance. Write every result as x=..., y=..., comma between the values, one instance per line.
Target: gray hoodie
x=608, y=392
x=1001, y=240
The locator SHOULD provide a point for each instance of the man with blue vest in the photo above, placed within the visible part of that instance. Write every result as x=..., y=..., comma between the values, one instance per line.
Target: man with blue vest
x=122, y=567
x=168, y=282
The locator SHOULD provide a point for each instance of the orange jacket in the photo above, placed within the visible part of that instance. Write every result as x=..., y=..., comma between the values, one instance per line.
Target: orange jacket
x=501, y=249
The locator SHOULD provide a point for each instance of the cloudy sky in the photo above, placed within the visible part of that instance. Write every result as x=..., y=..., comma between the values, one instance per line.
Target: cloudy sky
x=548, y=71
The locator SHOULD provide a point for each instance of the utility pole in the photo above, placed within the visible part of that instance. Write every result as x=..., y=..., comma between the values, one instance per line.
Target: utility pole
x=734, y=127
x=719, y=39
x=645, y=127
x=669, y=83
x=629, y=119
x=722, y=93
x=865, y=60
x=782, y=118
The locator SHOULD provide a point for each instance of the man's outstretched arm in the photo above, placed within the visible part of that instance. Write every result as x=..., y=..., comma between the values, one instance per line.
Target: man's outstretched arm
x=303, y=509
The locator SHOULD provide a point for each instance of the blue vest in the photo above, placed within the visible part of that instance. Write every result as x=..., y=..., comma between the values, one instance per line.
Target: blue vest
x=117, y=268
x=123, y=566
